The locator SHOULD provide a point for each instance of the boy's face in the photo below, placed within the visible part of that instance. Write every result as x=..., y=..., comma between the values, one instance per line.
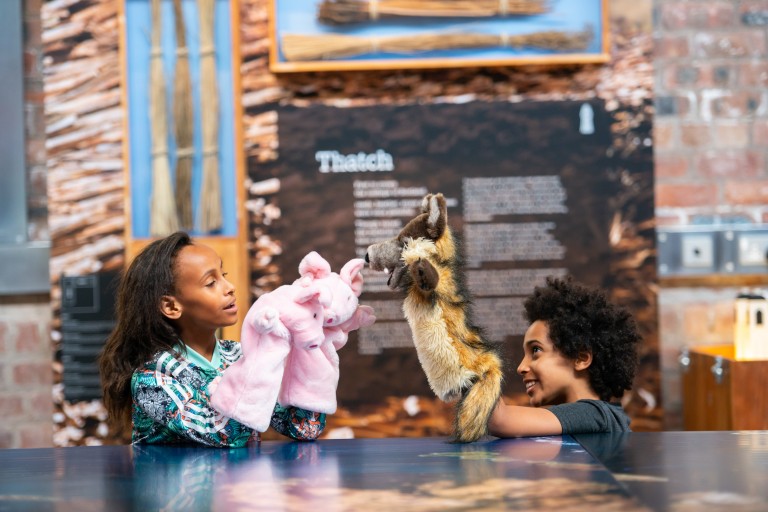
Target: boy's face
x=549, y=377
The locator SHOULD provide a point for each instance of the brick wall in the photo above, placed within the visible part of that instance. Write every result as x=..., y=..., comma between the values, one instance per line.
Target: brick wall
x=711, y=152
x=711, y=126
x=26, y=406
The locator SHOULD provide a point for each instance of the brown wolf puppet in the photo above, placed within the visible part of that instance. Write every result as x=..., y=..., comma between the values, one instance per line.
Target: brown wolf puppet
x=459, y=363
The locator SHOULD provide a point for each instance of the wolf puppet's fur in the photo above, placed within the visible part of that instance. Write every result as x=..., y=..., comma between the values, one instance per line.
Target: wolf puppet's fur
x=459, y=363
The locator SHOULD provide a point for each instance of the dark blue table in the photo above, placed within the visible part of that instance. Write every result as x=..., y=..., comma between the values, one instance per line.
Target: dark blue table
x=639, y=471
x=327, y=475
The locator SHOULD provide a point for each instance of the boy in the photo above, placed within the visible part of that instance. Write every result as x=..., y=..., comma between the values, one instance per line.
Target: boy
x=579, y=352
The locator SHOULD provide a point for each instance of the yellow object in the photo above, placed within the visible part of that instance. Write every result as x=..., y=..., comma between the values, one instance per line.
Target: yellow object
x=750, y=327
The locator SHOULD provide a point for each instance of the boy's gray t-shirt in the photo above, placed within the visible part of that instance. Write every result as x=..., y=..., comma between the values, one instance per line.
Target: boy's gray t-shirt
x=591, y=417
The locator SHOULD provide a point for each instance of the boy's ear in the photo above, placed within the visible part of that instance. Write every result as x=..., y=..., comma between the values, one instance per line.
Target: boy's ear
x=170, y=307
x=583, y=360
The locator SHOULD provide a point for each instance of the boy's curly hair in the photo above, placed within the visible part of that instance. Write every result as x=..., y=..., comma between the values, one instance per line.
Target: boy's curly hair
x=582, y=319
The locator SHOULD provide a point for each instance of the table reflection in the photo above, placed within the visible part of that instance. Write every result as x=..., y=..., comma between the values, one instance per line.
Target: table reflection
x=398, y=474
x=196, y=478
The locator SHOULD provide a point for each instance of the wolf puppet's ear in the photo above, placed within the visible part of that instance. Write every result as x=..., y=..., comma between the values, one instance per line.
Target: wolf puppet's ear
x=437, y=215
x=430, y=223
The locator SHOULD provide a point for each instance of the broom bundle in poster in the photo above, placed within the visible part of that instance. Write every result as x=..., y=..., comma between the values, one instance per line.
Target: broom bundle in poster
x=209, y=214
x=298, y=47
x=183, y=122
x=163, y=219
x=341, y=12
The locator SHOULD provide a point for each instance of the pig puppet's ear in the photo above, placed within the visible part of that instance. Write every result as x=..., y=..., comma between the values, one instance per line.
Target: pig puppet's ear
x=315, y=266
x=350, y=274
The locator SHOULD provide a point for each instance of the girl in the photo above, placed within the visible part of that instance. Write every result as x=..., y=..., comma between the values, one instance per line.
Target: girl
x=579, y=352
x=163, y=353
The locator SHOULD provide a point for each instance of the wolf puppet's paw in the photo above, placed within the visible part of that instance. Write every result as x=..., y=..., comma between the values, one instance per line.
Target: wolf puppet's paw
x=424, y=276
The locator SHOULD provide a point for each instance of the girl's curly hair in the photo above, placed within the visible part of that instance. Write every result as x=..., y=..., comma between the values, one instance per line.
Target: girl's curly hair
x=582, y=319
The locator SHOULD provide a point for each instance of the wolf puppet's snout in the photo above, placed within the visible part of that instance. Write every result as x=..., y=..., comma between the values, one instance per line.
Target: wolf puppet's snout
x=383, y=256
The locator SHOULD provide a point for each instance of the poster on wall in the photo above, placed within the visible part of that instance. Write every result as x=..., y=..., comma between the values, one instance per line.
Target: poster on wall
x=317, y=35
x=533, y=189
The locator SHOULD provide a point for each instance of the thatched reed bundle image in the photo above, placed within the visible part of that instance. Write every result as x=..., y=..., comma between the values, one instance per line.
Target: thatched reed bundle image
x=342, y=12
x=183, y=119
x=163, y=219
x=297, y=47
x=209, y=214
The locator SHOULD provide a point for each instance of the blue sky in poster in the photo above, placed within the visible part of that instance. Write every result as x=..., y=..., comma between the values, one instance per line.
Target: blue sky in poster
x=138, y=33
x=299, y=17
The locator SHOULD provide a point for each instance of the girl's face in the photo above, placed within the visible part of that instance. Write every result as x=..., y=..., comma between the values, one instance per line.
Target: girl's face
x=549, y=377
x=203, y=296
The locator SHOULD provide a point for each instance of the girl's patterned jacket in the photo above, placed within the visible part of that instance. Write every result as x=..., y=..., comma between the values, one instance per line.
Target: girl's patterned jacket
x=171, y=403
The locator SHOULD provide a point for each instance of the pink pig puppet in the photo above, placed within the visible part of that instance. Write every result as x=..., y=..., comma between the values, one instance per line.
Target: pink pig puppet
x=286, y=319
x=312, y=376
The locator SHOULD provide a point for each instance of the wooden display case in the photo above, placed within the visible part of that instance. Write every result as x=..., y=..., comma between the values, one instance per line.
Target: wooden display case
x=313, y=35
x=722, y=393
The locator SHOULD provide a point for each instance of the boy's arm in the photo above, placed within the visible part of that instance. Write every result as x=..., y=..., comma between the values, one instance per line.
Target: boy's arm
x=518, y=421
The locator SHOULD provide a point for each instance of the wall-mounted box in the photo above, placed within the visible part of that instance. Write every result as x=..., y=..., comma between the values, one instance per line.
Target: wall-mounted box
x=691, y=252
x=745, y=251
x=707, y=250
x=697, y=250
x=752, y=249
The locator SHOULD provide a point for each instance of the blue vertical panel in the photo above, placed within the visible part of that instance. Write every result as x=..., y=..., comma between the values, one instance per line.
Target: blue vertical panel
x=13, y=176
x=138, y=24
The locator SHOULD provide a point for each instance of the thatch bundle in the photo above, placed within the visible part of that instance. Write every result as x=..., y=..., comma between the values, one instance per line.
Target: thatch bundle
x=209, y=214
x=163, y=220
x=183, y=122
x=298, y=47
x=341, y=12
